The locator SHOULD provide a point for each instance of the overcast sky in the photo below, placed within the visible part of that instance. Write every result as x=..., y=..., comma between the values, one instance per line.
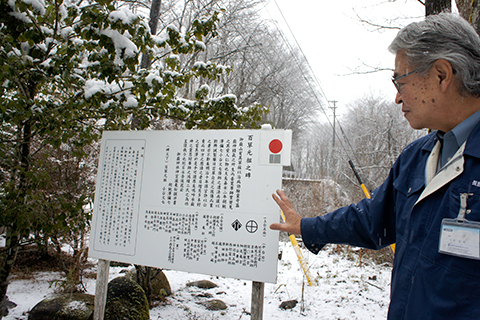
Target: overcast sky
x=337, y=44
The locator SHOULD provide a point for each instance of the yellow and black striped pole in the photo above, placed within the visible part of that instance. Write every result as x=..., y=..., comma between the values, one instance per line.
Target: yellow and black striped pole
x=301, y=259
x=365, y=190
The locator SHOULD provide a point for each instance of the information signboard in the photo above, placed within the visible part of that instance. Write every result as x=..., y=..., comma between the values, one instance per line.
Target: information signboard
x=197, y=201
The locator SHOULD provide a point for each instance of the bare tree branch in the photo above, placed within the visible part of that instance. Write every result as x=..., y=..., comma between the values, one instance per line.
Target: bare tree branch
x=377, y=26
x=366, y=69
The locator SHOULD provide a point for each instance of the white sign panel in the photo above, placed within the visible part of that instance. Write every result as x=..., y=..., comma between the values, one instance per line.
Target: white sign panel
x=197, y=201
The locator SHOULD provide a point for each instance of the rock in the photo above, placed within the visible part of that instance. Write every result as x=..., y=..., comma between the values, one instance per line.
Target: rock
x=9, y=304
x=6, y=305
x=290, y=304
x=119, y=264
x=68, y=306
x=214, y=304
x=203, y=284
x=126, y=300
x=160, y=284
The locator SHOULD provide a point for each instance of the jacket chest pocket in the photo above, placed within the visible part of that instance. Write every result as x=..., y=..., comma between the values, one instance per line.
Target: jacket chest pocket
x=408, y=190
x=473, y=202
x=459, y=266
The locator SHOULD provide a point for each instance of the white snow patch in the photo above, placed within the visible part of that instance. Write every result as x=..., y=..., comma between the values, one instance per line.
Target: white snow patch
x=121, y=43
x=38, y=5
x=125, y=15
x=77, y=305
x=131, y=102
x=344, y=291
x=92, y=87
x=153, y=76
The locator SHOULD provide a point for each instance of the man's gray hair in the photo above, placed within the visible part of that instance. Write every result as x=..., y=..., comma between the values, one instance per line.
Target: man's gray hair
x=443, y=36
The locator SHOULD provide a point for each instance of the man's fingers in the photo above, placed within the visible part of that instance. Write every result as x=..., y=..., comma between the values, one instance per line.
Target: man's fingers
x=279, y=227
x=282, y=199
x=276, y=226
x=292, y=219
x=281, y=196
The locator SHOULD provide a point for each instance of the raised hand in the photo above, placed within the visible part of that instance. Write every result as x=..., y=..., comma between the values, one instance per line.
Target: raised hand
x=292, y=218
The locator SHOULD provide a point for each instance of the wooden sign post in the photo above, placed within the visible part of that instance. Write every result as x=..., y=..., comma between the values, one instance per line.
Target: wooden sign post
x=103, y=269
x=257, y=300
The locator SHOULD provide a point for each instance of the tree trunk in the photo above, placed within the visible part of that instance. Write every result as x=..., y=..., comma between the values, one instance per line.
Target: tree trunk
x=13, y=232
x=464, y=8
x=437, y=6
x=470, y=11
x=144, y=279
x=154, y=15
x=475, y=17
x=9, y=257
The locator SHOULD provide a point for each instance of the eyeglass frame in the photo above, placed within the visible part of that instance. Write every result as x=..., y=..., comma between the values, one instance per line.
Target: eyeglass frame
x=395, y=79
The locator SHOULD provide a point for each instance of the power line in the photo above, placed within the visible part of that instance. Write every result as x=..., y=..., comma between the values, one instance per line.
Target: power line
x=314, y=76
x=307, y=80
x=280, y=84
x=319, y=87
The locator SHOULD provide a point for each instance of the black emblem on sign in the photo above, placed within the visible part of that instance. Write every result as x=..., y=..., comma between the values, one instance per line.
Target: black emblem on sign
x=251, y=226
x=236, y=225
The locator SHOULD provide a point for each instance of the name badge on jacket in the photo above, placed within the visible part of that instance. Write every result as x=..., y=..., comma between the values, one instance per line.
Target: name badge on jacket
x=460, y=237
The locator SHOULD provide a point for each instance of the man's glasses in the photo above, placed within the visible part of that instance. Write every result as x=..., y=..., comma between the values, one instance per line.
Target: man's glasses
x=395, y=79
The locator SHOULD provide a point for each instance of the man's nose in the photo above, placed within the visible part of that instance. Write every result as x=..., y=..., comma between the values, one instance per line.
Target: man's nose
x=398, y=98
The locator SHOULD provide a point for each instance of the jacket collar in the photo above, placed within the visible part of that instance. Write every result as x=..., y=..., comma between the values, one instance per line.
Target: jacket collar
x=431, y=141
x=471, y=148
x=454, y=168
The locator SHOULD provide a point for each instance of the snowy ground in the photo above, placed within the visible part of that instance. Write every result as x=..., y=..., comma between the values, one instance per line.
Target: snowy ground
x=344, y=290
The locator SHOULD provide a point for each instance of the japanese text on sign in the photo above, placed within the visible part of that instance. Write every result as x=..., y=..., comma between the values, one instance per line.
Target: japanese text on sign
x=197, y=201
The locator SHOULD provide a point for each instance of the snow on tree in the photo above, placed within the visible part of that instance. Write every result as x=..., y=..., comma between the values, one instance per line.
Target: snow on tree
x=70, y=71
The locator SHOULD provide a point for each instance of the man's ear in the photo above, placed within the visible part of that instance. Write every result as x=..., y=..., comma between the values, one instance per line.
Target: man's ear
x=444, y=72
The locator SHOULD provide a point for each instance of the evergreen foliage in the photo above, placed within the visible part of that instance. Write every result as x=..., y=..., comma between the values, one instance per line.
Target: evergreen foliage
x=68, y=72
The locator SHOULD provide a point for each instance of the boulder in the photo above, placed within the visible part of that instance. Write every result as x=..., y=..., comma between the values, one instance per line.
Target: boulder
x=68, y=306
x=6, y=305
x=126, y=300
x=204, y=295
x=203, y=284
x=160, y=284
x=214, y=304
x=290, y=304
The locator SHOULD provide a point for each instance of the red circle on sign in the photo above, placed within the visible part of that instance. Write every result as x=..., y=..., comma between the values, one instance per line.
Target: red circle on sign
x=275, y=146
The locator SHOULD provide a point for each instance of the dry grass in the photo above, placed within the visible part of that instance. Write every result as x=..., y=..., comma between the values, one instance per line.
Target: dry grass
x=31, y=260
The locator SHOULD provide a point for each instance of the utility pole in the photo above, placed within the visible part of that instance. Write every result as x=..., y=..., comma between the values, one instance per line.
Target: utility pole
x=334, y=119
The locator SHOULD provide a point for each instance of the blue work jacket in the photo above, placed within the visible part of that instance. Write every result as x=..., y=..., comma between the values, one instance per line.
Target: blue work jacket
x=407, y=211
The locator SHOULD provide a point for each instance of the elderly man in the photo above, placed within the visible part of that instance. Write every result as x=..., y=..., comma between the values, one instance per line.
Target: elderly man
x=430, y=203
